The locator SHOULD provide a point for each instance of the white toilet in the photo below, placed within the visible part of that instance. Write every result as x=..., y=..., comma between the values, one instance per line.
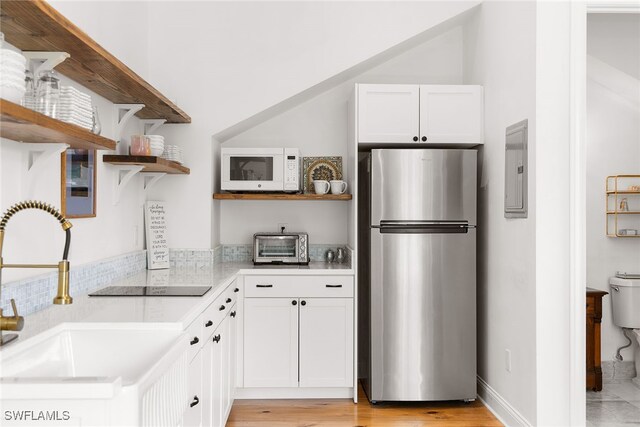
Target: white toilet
x=625, y=298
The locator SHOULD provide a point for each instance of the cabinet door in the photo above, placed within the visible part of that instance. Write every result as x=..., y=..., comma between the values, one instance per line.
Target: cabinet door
x=193, y=413
x=232, y=356
x=326, y=342
x=270, y=342
x=388, y=113
x=451, y=114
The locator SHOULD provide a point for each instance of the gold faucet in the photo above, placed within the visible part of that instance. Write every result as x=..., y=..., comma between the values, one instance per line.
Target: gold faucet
x=16, y=322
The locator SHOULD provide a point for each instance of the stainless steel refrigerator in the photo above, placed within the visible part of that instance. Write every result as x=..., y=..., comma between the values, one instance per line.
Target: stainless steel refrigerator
x=417, y=274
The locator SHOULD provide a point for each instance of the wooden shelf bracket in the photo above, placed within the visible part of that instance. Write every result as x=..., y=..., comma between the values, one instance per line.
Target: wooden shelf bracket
x=150, y=125
x=125, y=173
x=48, y=60
x=124, y=113
x=151, y=178
x=38, y=156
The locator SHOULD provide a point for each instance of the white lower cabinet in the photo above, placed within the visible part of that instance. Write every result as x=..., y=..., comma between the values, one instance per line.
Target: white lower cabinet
x=326, y=342
x=193, y=413
x=212, y=372
x=299, y=341
x=270, y=342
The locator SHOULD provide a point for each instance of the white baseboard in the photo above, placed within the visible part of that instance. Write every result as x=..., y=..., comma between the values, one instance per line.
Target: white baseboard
x=294, y=393
x=499, y=406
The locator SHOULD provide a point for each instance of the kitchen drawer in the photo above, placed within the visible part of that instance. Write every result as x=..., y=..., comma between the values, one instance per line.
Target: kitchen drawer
x=195, y=337
x=213, y=315
x=299, y=286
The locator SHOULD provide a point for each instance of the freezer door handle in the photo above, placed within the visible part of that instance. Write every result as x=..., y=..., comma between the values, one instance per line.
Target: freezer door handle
x=423, y=227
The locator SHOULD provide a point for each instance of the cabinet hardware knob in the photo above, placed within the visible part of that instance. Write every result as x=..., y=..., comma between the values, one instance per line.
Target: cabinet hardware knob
x=216, y=338
x=264, y=286
x=228, y=300
x=232, y=314
x=236, y=290
x=333, y=286
x=424, y=138
x=195, y=401
x=415, y=138
x=195, y=341
x=209, y=323
x=294, y=302
x=303, y=303
x=222, y=307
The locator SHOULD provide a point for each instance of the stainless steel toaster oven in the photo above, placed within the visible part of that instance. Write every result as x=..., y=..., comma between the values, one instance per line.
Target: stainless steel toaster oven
x=280, y=248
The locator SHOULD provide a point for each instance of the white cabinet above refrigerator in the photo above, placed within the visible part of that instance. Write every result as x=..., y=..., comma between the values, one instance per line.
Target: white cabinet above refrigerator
x=420, y=114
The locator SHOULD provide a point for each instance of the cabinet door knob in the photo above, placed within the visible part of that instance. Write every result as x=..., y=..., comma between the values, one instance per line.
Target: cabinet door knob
x=209, y=323
x=232, y=314
x=216, y=338
x=294, y=302
x=424, y=138
x=303, y=303
x=228, y=300
x=236, y=290
x=415, y=138
x=222, y=307
x=195, y=401
x=195, y=341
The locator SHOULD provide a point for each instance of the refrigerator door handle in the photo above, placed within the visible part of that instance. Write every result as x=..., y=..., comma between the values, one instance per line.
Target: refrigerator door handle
x=423, y=227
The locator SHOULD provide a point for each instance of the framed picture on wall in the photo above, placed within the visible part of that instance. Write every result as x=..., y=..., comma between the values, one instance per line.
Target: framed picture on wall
x=78, y=173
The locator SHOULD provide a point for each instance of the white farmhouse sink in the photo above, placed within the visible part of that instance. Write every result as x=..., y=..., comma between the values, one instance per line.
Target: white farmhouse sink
x=112, y=364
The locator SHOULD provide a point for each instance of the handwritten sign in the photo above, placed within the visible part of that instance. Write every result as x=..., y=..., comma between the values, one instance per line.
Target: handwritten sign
x=156, y=232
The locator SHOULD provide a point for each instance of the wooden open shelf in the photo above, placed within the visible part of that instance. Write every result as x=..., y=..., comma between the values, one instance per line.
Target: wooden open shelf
x=623, y=213
x=22, y=124
x=280, y=196
x=34, y=25
x=623, y=192
x=150, y=163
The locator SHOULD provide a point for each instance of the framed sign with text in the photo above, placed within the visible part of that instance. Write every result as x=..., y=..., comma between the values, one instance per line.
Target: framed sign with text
x=156, y=235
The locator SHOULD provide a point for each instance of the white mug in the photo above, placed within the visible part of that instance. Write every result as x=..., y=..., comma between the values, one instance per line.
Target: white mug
x=338, y=187
x=321, y=186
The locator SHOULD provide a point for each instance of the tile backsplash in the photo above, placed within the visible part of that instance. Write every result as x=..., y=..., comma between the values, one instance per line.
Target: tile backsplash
x=36, y=293
x=244, y=253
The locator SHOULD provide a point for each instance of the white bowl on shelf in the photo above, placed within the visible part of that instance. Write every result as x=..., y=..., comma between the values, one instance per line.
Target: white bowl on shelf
x=12, y=93
x=10, y=55
x=156, y=152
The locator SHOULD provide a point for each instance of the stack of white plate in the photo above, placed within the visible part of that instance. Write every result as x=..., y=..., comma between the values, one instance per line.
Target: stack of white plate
x=12, y=75
x=173, y=153
x=75, y=107
x=157, y=144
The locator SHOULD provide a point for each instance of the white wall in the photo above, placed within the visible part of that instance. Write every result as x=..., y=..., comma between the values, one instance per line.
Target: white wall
x=500, y=48
x=226, y=61
x=319, y=128
x=613, y=147
x=33, y=236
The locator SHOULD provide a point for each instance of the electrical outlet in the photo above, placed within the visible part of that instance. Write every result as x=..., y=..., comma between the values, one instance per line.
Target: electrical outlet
x=281, y=225
x=507, y=360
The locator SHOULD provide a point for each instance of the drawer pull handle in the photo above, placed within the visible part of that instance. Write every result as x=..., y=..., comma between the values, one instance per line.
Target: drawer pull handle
x=333, y=286
x=236, y=290
x=209, y=323
x=228, y=300
x=222, y=307
x=303, y=302
x=195, y=401
x=195, y=341
x=232, y=314
x=264, y=286
x=216, y=338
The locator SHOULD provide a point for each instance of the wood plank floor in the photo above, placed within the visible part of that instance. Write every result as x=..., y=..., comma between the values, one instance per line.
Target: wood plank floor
x=343, y=413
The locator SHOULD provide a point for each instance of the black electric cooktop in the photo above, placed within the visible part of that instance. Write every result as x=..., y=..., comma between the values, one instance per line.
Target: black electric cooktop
x=151, y=291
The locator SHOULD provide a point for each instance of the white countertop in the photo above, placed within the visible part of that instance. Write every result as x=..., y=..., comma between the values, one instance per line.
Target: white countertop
x=179, y=310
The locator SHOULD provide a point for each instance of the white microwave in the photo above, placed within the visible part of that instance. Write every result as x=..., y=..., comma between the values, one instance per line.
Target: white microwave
x=260, y=169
